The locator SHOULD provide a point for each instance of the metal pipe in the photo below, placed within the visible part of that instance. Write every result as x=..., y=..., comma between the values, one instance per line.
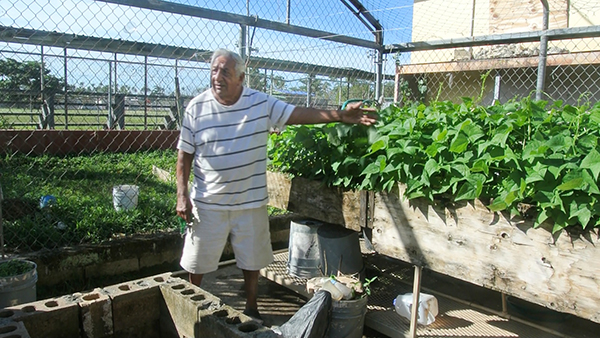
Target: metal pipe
x=541, y=78
x=205, y=13
x=472, y=28
x=288, y=10
x=145, y=92
x=378, y=74
x=66, y=93
x=109, y=103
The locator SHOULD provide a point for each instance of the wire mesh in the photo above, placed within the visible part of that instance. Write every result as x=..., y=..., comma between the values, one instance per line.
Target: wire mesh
x=78, y=75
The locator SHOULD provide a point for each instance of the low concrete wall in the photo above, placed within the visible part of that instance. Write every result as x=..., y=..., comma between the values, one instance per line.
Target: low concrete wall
x=159, y=306
x=77, y=268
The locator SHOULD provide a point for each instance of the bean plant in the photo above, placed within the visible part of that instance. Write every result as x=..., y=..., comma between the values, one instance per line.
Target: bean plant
x=523, y=152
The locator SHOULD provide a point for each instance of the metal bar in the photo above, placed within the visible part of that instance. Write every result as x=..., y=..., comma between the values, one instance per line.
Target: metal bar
x=543, y=58
x=37, y=37
x=485, y=40
x=109, y=105
x=205, y=13
x=378, y=29
x=146, y=92
x=66, y=91
x=378, y=74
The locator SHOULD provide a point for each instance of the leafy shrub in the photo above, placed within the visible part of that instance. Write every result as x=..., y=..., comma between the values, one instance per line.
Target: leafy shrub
x=504, y=154
x=14, y=267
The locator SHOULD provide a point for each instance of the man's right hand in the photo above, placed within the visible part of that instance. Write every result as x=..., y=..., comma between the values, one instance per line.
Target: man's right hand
x=184, y=207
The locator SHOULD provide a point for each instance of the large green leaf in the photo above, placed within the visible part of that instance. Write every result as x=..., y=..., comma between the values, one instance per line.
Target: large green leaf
x=592, y=161
x=459, y=143
x=471, y=188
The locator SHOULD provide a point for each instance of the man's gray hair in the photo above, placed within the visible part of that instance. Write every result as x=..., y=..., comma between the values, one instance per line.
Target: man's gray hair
x=240, y=66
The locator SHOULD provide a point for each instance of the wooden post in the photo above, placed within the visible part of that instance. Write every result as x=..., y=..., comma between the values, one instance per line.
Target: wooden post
x=414, y=311
x=120, y=110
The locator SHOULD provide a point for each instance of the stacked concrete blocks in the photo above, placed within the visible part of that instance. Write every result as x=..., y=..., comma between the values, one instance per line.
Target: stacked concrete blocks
x=160, y=306
x=9, y=329
x=136, y=307
x=192, y=312
x=49, y=318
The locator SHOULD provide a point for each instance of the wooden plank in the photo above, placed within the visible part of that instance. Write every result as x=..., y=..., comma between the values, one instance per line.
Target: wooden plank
x=313, y=199
x=468, y=242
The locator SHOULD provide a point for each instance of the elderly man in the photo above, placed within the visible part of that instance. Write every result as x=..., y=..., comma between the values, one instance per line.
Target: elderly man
x=224, y=135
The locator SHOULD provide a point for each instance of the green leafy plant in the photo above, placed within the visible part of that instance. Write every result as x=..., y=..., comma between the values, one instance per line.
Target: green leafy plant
x=523, y=152
x=14, y=267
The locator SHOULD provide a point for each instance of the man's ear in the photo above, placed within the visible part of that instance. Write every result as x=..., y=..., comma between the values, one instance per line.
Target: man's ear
x=242, y=77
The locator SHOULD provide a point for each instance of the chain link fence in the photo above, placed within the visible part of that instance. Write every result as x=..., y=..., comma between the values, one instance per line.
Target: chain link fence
x=91, y=91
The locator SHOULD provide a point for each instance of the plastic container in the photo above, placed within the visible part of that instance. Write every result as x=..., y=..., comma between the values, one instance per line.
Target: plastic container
x=346, y=291
x=125, y=197
x=336, y=294
x=428, y=307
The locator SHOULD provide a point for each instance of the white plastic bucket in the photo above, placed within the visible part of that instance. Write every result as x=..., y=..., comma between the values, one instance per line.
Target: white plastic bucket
x=125, y=197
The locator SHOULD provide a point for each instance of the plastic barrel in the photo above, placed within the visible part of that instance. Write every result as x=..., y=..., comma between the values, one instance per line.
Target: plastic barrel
x=19, y=289
x=338, y=244
x=347, y=318
x=303, y=250
x=125, y=197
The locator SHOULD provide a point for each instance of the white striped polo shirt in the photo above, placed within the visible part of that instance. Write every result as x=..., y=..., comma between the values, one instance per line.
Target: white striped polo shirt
x=230, y=147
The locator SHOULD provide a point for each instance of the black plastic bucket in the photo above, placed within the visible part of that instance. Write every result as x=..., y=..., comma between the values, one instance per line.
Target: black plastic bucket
x=339, y=250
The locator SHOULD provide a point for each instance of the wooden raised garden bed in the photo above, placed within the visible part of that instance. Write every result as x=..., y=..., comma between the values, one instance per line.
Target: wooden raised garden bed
x=462, y=240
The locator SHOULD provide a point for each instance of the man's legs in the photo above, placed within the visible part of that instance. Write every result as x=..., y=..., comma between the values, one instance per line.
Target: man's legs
x=196, y=279
x=251, y=288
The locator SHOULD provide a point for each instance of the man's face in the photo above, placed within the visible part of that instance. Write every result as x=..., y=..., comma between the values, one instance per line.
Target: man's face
x=226, y=85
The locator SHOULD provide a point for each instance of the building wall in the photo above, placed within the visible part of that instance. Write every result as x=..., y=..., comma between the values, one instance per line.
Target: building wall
x=446, y=19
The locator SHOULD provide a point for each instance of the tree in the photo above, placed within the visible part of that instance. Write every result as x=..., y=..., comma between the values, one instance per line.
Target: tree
x=20, y=81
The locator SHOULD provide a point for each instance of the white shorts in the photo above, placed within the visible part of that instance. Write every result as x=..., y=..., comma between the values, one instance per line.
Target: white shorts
x=205, y=240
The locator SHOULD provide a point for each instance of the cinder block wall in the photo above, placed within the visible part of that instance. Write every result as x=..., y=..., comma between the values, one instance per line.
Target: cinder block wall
x=80, y=268
x=159, y=306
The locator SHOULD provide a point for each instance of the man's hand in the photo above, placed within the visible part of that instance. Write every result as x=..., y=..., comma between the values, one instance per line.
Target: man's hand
x=354, y=114
x=184, y=207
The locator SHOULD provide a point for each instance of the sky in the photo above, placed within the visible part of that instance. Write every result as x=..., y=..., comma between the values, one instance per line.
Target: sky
x=101, y=19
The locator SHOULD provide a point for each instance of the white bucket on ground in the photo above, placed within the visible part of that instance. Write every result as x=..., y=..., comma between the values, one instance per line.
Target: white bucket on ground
x=125, y=197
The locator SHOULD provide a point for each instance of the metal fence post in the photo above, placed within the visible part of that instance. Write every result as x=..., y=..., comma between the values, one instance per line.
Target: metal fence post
x=66, y=93
x=111, y=117
x=541, y=78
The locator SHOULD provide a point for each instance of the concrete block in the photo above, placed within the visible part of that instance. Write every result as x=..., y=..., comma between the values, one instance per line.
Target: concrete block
x=136, y=304
x=181, y=305
x=227, y=322
x=96, y=314
x=48, y=318
x=12, y=329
